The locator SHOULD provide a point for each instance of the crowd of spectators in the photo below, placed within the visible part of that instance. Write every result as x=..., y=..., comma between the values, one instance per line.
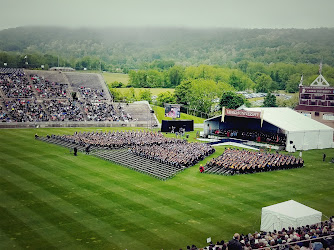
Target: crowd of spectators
x=63, y=110
x=253, y=135
x=4, y=115
x=25, y=110
x=47, y=89
x=16, y=85
x=310, y=237
x=36, y=99
x=100, y=111
x=92, y=94
x=236, y=161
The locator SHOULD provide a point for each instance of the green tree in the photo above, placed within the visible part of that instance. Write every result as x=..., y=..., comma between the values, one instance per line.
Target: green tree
x=166, y=97
x=174, y=76
x=201, y=95
x=116, y=95
x=263, y=83
x=231, y=100
x=291, y=102
x=116, y=84
x=269, y=101
x=130, y=95
x=162, y=64
x=242, y=65
x=234, y=81
x=181, y=92
x=145, y=95
x=292, y=85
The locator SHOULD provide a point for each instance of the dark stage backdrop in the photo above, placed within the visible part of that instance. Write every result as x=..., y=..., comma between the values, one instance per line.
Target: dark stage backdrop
x=167, y=125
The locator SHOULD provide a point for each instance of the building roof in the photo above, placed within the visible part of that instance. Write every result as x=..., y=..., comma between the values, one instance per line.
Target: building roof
x=288, y=119
x=292, y=209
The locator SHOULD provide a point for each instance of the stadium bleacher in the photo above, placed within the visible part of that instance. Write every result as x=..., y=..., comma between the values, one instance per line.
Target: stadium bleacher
x=30, y=96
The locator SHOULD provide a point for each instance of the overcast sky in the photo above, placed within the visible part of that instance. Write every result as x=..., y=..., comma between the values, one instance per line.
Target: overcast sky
x=175, y=13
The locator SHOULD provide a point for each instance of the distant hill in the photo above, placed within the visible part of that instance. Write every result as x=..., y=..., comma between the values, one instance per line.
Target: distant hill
x=131, y=47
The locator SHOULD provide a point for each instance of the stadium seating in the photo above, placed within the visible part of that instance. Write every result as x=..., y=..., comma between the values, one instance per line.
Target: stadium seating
x=30, y=96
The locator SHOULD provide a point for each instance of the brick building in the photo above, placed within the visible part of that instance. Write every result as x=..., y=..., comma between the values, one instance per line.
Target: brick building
x=317, y=101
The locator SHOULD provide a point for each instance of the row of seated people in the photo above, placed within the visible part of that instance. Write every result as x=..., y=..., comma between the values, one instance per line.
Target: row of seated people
x=31, y=110
x=16, y=85
x=19, y=86
x=101, y=111
x=115, y=139
x=63, y=110
x=4, y=117
x=252, y=135
x=236, y=161
x=125, y=116
x=180, y=153
x=23, y=110
x=11, y=71
x=310, y=237
x=92, y=94
x=47, y=89
x=147, y=144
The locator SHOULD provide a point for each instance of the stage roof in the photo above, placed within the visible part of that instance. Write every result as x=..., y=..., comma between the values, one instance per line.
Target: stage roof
x=290, y=120
x=287, y=119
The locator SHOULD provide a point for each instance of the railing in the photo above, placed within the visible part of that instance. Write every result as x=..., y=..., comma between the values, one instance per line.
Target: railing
x=73, y=124
x=283, y=245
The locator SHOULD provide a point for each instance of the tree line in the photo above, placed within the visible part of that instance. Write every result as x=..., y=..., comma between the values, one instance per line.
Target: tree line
x=121, y=49
x=206, y=88
x=245, y=75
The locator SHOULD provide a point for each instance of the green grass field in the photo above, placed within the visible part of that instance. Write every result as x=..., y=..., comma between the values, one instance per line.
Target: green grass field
x=52, y=199
x=160, y=114
x=112, y=77
x=154, y=91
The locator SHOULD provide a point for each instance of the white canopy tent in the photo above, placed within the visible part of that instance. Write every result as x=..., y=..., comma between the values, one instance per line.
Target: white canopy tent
x=302, y=133
x=288, y=214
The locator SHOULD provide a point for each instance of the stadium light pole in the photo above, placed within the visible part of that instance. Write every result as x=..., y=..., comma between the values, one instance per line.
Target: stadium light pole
x=26, y=61
x=148, y=113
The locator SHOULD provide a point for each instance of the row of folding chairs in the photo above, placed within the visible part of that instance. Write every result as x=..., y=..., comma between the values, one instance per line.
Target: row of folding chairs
x=218, y=170
x=140, y=164
x=144, y=165
x=61, y=143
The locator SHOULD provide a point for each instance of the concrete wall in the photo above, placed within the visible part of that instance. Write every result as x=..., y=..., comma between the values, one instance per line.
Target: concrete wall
x=70, y=124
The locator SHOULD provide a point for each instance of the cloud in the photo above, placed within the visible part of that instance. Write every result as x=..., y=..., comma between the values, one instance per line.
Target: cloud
x=181, y=13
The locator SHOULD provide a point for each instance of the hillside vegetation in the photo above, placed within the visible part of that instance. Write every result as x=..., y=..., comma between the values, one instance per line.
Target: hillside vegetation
x=133, y=48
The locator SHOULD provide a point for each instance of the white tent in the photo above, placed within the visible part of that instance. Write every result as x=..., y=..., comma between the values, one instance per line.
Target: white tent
x=288, y=214
x=301, y=131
